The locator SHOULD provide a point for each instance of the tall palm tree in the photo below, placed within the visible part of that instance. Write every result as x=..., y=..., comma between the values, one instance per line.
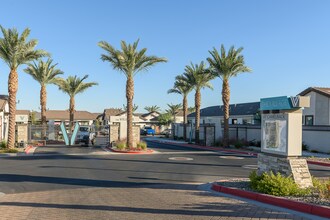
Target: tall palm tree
x=129, y=61
x=227, y=65
x=183, y=88
x=44, y=73
x=153, y=108
x=16, y=50
x=174, y=109
x=72, y=86
x=198, y=77
x=135, y=107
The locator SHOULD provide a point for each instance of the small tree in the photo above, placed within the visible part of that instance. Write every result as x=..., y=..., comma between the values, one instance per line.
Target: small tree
x=173, y=110
x=153, y=108
x=165, y=119
x=72, y=86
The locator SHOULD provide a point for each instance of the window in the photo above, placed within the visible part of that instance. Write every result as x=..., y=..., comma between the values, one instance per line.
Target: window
x=234, y=121
x=309, y=120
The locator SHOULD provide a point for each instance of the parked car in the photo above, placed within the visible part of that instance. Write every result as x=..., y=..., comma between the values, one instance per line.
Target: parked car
x=85, y=135
x=147, y=131
x=166, y=132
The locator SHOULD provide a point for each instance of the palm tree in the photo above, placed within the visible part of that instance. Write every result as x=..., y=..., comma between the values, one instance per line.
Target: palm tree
x=16, y=50
x=44, y=73
x=135, y=107
x=198, y=77
x=153, y=108
x=72, y=86
x=191, y=109
x=173, y=110
x=226, y=66
x=183, y=88
x=129, y=61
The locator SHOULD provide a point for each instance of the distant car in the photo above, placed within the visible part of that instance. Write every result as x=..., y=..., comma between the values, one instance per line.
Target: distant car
x=166, y=132
x=147, y=131
x=105, y=130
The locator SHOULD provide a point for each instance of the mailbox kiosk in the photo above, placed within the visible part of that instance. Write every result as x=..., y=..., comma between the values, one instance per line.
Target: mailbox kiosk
x=281, y=138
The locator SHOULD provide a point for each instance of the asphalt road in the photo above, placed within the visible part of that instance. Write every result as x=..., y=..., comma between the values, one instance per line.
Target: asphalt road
x=79, y=169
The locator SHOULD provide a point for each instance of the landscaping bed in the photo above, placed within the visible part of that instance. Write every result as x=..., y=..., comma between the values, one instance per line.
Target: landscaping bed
x=244, y=184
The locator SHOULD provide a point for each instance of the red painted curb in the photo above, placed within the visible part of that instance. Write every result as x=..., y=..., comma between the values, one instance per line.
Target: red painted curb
x=232, y=151
x=27, y=149
x=318, y=163
x=132, y=152
x=322, y=211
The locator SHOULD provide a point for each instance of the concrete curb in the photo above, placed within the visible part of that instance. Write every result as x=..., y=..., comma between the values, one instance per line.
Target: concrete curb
x=228, y=150
x=130, y=152
x=322, y=211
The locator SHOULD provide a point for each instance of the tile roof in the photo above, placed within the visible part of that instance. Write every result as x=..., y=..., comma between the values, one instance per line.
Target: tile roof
x=234, y=109
x=22, y=112
x=112, y=112
x=65, y=115
x=321, y=90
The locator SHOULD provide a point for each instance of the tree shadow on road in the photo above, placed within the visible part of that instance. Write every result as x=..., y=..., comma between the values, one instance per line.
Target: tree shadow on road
x=221, y=209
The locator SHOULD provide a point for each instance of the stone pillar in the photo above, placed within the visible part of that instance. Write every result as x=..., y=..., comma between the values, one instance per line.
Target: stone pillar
x=287, y=166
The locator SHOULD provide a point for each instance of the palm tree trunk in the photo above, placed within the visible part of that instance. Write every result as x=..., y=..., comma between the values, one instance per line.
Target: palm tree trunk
x=197, y=120
x=129, y=97
x=12, y=90
x=43, y=99
x=225, y=100
x=71, y=110
x=185, y=110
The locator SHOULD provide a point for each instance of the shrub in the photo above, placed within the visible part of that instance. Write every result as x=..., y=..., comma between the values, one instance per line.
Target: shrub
x=276, y=185
x=321, y=187
x=142, y=145
x=304, y=146
x=14, y=150
x=121, y=145
x=239, y=144
x=3, y=144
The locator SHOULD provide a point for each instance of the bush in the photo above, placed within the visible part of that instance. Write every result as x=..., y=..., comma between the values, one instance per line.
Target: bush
x=238, y=144
x=14, y=150
x=3, y=144
x=142, y=145
x=121, y=145
x=322, y=188
x=276, y=185
x=304, y=146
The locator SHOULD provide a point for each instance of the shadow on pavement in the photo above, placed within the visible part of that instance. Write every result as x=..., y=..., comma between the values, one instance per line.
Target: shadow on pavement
x=205, y=209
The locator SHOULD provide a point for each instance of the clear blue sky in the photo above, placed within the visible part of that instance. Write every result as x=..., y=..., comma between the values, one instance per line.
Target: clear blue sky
x=286, y=43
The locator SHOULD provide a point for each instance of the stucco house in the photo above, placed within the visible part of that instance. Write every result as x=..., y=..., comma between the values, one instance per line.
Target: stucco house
x=319, y=111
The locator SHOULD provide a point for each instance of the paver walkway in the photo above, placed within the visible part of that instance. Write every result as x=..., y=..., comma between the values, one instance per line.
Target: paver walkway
x=152, y=202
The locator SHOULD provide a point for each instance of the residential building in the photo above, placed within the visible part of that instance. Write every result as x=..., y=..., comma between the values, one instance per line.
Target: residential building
x=58, y=116
x=243, y=113
x=319, y=111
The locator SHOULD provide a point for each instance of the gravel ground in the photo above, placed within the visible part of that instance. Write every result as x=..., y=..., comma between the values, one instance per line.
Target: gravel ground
x=244, y=184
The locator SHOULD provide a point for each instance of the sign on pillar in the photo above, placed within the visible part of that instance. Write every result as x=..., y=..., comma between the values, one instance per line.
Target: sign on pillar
x=281, y=138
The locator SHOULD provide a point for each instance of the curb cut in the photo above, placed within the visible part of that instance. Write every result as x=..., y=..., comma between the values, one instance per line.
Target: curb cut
x=321, y=211
x=227, y=150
